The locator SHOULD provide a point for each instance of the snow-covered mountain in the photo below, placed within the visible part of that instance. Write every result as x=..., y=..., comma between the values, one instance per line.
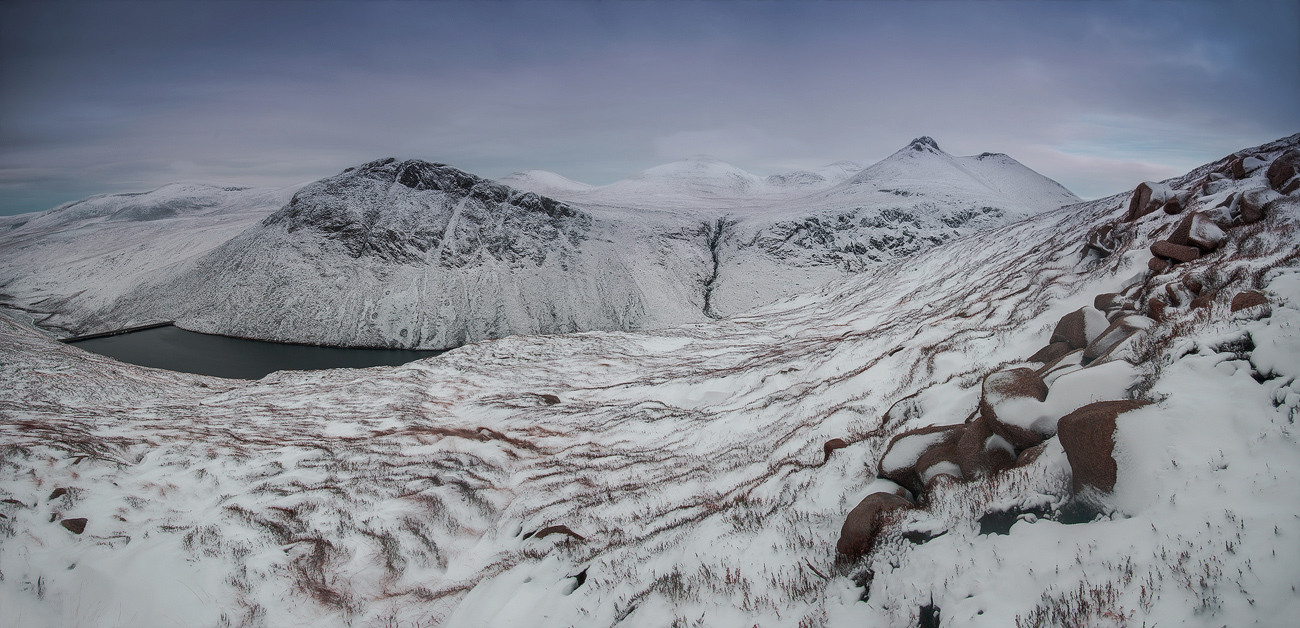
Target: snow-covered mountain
x=418, y=255
x=72, y=262
x=402, y=253
x=710, y=474
x=543, y=182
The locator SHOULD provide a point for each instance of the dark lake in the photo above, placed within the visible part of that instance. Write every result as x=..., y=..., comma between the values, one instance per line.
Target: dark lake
x=175, y=349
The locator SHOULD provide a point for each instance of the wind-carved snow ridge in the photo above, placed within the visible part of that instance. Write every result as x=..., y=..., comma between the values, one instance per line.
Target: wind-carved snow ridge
x=701, y=475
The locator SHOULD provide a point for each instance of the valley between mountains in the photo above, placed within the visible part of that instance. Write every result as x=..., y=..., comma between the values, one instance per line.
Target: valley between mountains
x=933, y=391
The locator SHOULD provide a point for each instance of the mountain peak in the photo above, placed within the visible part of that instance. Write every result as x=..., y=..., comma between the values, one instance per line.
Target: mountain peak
x=925, y=143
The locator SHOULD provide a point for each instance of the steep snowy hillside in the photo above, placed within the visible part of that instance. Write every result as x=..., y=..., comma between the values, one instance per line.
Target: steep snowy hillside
x=72, y=261
x=361, y=259
x=710, y=475
x=402, y=254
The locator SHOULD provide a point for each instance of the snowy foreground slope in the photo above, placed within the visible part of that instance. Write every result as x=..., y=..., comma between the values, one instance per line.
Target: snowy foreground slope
x=421, y=255
x=687, y=477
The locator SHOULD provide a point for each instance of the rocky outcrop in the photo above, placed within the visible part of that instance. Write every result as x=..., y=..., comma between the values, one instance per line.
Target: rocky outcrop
x=1284, y=173
x=831, y=445
x=980, y=452
x=1247, y=299
x=1169, y=250
x=1088, y=437
x=860, y=528
x=1079, y=327
x=911, y=457
x=1001, y=392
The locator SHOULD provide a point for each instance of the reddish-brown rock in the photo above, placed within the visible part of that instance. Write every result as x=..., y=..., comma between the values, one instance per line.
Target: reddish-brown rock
x=1079, y=327
x=1193, y=284
x=1088, y=437
x=980, y=452
x=1051, y=352
x=1254, y=204
x=1179, y=252
x=557, y=529
x=1139, y=202
x=1001, y=387
x=75, y=526
x=906, y=458
x=860, y=528
x=1157, y=265
x=1030, y=455
x=1250, y=298
x=832, y=445
x=1204, y=300
x=1156, y=309
x=1119, y=331
x=1108, y=301
x=1236, y=169
x=1284, y=170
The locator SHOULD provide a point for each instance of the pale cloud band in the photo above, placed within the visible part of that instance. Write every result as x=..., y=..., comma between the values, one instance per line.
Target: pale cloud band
x=101, y=97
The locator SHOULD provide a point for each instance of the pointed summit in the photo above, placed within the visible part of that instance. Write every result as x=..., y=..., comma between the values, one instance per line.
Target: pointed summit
x=925, y=143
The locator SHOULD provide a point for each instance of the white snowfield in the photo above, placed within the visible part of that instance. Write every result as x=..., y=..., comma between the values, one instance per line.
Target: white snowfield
x=681, y=479
x=376, y=257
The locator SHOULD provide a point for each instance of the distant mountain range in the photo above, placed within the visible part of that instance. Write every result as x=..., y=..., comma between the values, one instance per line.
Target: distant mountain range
x=422, y=255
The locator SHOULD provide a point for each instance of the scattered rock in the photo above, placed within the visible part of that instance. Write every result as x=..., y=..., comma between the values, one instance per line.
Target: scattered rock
x=1193, y=284
x=1254, y=204
x=1157, y=265
x=859, y=529
x=1003, y=389
x=1182, y=253
x=1079, y=327
x=76, y=526
x=1156, y=309
x=1199, y=230
x=548, y=399
x=1051, y=352
x=560, y=529
x=57, y=493
x=1249, y=298
x=1102, y=239
x=1147, y=197
x=980, y=452
x=902, y=458
x=1108, y=301
x=1284, y=173
x=832, y=445
x=1204, y=300
x=1030, y=455
x=1236, y=169
x=1119, y=331
x=1088, y=437
x=942, y=459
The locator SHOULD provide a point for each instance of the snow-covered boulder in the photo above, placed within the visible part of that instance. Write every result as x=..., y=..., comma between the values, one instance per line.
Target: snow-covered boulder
x=916, y=456
x=1284, y=173
x=1003, y=390
x=860, y=529
x=1088, y=436
x=1080, y=327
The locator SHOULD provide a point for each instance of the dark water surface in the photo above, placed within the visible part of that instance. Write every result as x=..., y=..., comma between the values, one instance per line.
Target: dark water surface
x=175, y=349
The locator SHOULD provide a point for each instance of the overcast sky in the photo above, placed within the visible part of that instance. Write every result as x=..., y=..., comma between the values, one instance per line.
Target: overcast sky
x=126, y=96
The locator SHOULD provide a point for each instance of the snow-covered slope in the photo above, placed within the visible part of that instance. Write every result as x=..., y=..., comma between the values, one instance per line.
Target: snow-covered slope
x=73, y=261
x=543, y=182
x=360, y=259
x=690, y=476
